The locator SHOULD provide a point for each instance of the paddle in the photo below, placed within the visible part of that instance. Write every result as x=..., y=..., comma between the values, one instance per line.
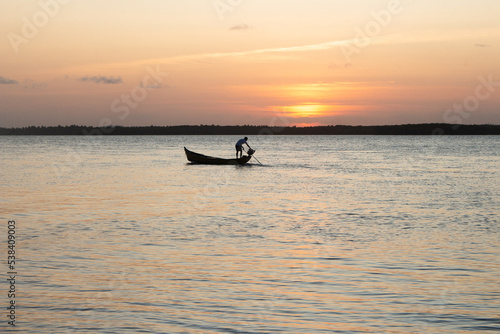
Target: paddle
x=254, y=157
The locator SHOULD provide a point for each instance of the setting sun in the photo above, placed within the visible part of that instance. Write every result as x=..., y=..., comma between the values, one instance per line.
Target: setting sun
x=306, y=110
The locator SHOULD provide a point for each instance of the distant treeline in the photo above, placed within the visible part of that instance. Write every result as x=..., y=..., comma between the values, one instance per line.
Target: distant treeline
x=406, y=129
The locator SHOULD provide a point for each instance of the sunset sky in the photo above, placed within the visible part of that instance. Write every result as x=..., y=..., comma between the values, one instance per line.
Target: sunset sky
x=261, y=62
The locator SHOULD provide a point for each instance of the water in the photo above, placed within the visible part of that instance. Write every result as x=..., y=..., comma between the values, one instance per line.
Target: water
x=333, y=234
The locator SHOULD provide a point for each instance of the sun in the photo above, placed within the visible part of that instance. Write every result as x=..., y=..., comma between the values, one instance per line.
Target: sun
x=306, y=110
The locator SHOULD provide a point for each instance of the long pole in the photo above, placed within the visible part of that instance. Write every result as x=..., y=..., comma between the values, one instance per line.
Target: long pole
x=253, y=157
x=257, y=160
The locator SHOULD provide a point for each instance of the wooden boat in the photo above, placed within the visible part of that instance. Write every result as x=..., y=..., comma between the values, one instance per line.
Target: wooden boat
x=197, y=158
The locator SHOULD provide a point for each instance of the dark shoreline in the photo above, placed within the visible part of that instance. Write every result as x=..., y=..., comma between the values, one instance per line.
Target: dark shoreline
x=405, y=129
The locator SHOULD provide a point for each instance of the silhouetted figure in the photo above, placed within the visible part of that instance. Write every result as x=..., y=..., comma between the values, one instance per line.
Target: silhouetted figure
x=239, y=146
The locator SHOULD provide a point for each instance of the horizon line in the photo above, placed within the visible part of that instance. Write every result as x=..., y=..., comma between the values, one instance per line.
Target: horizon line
x=240, y=125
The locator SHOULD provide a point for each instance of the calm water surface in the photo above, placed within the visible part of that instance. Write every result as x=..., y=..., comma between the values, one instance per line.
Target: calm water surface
x=333, y=234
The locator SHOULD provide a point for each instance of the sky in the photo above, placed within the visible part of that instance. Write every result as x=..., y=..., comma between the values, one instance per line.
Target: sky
x=258, y=62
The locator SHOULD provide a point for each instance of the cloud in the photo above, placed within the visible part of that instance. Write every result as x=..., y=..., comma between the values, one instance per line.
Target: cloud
x=101, y=79
x=301, y=48
x=242, y=26
x=398, y=39
x=479, y=45
x=7, y=81
x=215, y=55
x=379, y=40
x=297, y=48
x=153, y=86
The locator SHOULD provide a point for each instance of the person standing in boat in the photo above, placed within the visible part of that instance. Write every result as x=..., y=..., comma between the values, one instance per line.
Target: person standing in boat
x=239, y=146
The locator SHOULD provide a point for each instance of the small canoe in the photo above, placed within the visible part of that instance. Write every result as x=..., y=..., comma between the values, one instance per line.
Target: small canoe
x=197, y=158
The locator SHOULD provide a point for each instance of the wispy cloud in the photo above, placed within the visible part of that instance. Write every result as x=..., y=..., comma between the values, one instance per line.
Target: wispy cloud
x=101, y=79
x=400, y=38
x=241, y=26
x=7, y=81
x=301, y=48
x=380, y=40
x=383, y=39
x=479, y=45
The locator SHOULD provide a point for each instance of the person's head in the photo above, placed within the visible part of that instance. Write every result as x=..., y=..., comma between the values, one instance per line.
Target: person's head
x=246, y=138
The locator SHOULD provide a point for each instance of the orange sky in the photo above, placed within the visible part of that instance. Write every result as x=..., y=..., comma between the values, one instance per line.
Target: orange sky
x=230, y=62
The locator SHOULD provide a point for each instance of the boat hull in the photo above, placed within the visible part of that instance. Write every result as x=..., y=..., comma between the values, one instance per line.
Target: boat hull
x=197, y=158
